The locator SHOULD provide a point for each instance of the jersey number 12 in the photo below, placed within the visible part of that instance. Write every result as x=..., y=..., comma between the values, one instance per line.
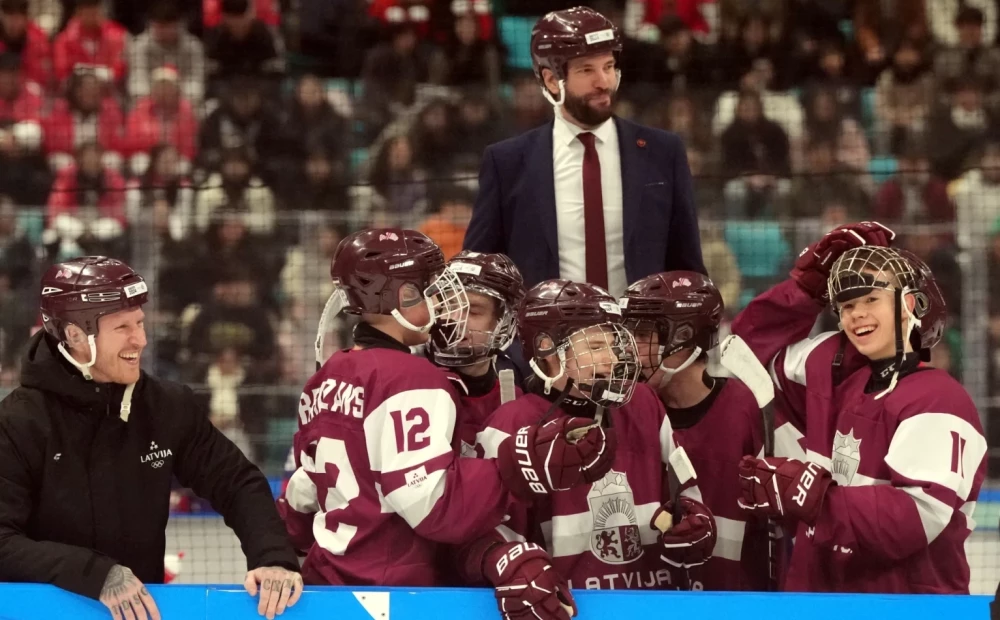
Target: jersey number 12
x=411, y=429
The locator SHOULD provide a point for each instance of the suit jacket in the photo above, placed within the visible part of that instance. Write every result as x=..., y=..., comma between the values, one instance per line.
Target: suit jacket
x=515, y=211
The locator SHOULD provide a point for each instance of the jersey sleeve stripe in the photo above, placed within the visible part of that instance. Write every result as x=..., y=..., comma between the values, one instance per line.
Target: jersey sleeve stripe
x=729, y=544
x=935, y=515
x=940, y=448
x=301, y=494
x=510, y=535
x=798, y=354
x=415, y=503
x=490, y=440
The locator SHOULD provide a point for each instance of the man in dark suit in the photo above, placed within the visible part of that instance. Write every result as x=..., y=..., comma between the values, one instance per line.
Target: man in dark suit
x=588, y=197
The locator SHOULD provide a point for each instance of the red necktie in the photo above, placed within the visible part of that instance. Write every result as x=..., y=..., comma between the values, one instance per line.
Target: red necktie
x=593, y=214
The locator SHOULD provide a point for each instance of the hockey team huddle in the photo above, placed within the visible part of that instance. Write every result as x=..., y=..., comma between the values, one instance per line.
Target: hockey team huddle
x=423, y=458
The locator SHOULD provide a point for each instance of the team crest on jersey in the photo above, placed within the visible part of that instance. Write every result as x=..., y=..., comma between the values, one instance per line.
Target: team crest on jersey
x=615, y=539
x=846, y=457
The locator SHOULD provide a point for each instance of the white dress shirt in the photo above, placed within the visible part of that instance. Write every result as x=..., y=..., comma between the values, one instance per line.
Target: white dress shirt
x=567, y=164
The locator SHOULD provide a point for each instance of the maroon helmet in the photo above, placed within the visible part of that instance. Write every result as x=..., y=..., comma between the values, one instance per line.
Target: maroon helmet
x=930, y=307
x=683, y=308
x=562, y=36
x=371, y=266
x=82, y=290
x=495, y=276
x=556, y=310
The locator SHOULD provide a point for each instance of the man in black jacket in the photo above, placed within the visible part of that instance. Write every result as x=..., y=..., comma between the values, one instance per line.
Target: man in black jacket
x=89, y=444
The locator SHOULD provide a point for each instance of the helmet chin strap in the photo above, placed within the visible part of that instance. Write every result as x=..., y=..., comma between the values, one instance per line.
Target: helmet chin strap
x=126, y=406
x=83, y=368
x=410, y=326
x=902, y=337
x=558, y=103
x=547, y=381
x=668, y=373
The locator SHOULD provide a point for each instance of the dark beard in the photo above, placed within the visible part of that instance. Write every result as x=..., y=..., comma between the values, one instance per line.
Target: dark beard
x=579, y=109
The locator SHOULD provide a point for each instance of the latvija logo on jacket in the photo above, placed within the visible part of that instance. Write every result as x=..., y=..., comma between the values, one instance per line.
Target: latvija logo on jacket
x=156, y=455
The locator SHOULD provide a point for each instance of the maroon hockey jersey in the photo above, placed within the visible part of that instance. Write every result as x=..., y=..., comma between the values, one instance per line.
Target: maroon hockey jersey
x=731, y=428
x=599, y=535
x=378, y=482
x=908, y=467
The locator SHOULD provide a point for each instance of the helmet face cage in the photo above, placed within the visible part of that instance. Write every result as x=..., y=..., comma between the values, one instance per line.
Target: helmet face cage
x=861, y=270
x=448, y=304
x=658, y=339
x=603, y=362
x=480, y=344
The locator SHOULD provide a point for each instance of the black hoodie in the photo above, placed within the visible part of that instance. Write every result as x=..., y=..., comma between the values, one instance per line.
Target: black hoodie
x=82, y=490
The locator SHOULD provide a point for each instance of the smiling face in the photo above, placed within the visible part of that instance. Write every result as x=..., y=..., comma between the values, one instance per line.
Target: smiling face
x=121, y=337
x=591, y=85
x=870, y=323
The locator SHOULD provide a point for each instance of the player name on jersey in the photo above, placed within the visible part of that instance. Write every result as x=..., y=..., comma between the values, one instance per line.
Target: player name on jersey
x=334, y=396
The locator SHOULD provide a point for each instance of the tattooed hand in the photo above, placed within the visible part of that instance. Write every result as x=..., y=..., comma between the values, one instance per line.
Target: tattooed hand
x=276, y=586
x=125, y=596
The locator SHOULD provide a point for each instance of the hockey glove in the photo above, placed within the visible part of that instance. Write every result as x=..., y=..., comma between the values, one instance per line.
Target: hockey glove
x=526, y=585
x=780, y=487
x=689, y=541
x=555, y=456
x=812, y=269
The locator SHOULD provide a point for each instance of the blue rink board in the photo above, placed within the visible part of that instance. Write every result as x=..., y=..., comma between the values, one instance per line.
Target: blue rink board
x=32, y=602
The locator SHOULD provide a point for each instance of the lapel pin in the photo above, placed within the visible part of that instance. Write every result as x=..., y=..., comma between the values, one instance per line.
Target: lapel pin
x=640, y=143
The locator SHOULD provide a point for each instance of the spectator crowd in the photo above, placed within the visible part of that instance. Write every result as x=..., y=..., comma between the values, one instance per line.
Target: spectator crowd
x=226, y=146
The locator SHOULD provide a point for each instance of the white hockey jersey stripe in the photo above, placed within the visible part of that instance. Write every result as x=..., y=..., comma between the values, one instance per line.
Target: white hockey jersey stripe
x=797, y=354
x=667, y=445
x=414, y=503
x=859, y=480
x=969, y=509
x=490, y=439
x=576, y=530
x=301, y=494
x=935, y=515
x=729, y=544
x=940, y=448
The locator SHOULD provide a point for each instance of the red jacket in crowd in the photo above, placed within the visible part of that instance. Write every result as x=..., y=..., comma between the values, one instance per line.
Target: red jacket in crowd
x=26, y=107
x=688, y=10
x=426, y=15
x=104, y=48
x=61, y=127
x=147, y=128
x=62, y=200
x=36, y=57
x=264, y=10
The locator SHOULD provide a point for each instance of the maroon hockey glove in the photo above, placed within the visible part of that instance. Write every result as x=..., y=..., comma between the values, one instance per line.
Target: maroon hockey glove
x=780, y=487
x=526, y=585
x=689, y=541
x=555, y=456
x=812, y=269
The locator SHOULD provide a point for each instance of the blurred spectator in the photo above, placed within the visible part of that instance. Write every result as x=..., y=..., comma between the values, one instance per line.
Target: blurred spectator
x=48, y=14
x=266, y=11
x=88, y=186
x=19, y=100
x=721, y=265
x=959, y=129
x=233, y=318
x=823, y=177
x=739, y=56
x=235, y=187
x=682, y=115
x=832, y=74
x=734, y=14
x=391, y=73
x=528, y=108
x=479, y=125
x=826, y=121
x=945, y=17
x=977, y=197
x=435, y=139
x=445, y=14
x=87, y=114
x=22, y=37
x=754, y=144
x=310, y=123
x=935, y=246
x=680, y=62
x=707, y=184
x=781, y=107
x=882, y=26
x=224, y=377
x=25, y=175
x=242, y=45
x=167, y=43
x=17, y=316
x=17, y=254
x=163, y=183
x=241, y=121
x=417, y=13
x=93, y=40
x=332, y=31
x=399, y=185
x=914, y=195
x=971, y=56
x=903, y=98
x=318, y=183
x=163, y=116
x=452, y=213
x=467, y=59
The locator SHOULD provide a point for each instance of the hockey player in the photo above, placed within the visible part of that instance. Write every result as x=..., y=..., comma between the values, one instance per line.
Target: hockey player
x=495, y=288
x=896, y=453
x=675, y=319
x=596, y=536
x=378, y=482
